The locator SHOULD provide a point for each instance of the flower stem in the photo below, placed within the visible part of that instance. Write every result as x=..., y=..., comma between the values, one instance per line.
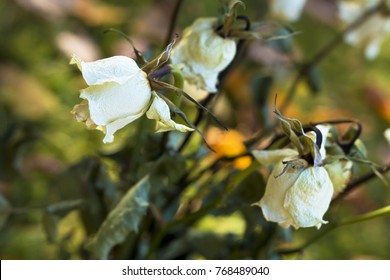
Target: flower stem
x=173, y=22
x=360, y=218
x=326, y=50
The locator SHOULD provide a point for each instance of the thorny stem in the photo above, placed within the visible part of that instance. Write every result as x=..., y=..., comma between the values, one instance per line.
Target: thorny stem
x=360, y=218
x=326, y=50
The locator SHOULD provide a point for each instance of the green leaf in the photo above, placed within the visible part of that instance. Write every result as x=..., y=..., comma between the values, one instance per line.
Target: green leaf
x=93, y=180
x=53, y=215
x=5, y=211
x=122, y=220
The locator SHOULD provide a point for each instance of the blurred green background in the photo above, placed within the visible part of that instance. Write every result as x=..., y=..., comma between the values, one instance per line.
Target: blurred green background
x=40, y=140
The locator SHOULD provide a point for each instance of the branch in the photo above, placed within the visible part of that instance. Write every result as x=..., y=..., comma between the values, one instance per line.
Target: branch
x=173, y=22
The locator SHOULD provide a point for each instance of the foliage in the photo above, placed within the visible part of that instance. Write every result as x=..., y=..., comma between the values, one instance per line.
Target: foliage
x=66, y=195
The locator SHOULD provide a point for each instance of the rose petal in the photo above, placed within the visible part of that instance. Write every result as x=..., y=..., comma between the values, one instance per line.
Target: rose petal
x=112, y=127
x=274, y=156
x=272, y=202
x=309, y=197
x=118, y=69
x=159, y=111
x=109, y=102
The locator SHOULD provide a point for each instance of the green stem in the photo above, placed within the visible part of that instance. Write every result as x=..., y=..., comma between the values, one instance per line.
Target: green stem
x=335, y=225
x=368, y=216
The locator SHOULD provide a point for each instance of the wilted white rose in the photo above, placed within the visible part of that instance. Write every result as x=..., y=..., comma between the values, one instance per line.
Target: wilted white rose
x=118, y=93
x=296, y=194
x=287, y=9
x=202, y=54
x=371, y=33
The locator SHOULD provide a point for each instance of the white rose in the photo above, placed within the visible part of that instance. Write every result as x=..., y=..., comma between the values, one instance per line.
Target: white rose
x=287, y=9
x=296, y=194
x=368, y=35
x=202, y=54
x=118, y=93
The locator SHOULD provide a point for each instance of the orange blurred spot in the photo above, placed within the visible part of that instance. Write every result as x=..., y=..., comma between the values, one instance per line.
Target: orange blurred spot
x=378, y=100
x=238, y=84
x=228, y=143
